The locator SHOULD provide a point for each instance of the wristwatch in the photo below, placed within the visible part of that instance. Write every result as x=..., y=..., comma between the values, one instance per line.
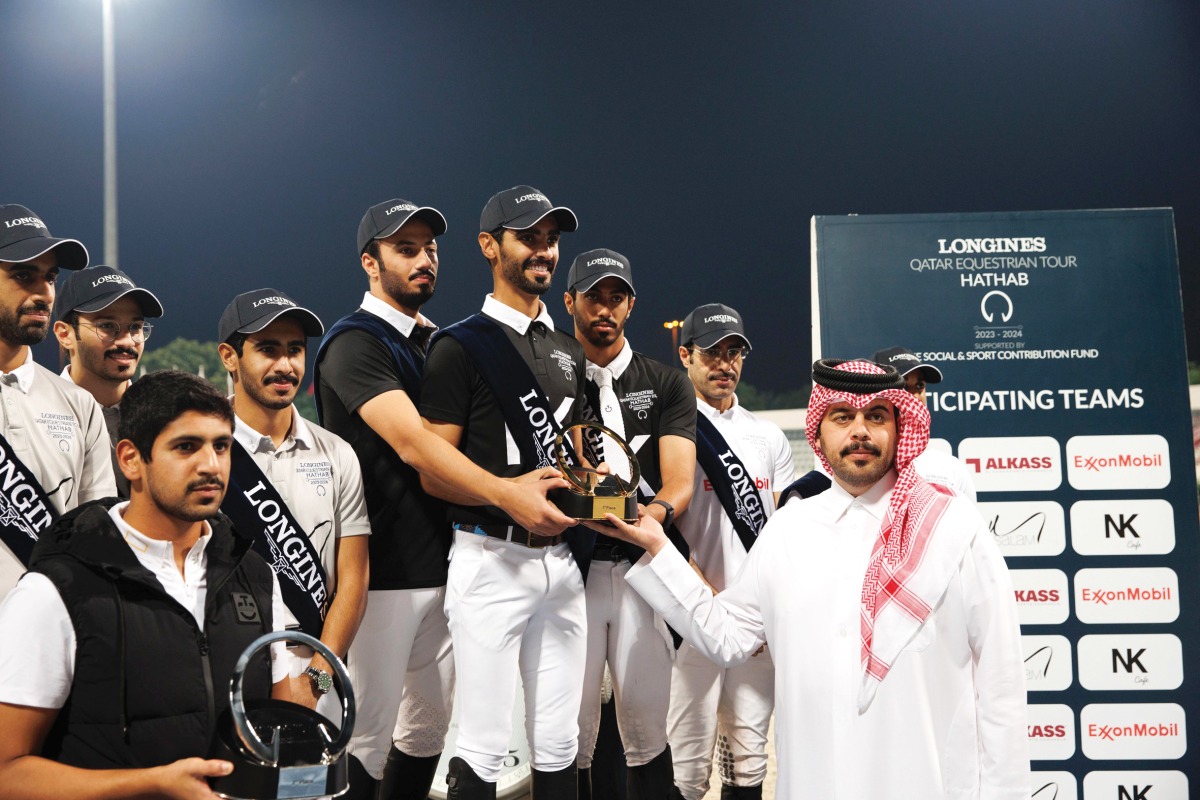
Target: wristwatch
x=322, y=681
x=670, y=509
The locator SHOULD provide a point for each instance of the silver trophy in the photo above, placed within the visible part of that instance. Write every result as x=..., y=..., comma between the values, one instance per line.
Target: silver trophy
x=281, y=749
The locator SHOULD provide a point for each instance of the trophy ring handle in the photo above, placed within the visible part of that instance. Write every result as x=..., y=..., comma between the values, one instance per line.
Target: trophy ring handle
x=237, y=708
x=560, y=456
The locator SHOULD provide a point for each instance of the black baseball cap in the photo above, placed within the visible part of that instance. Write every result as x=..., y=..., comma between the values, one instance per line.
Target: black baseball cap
x=250, y=312
x=384, y=219
x=523, y=207
x=591, y=267
x=711, y=323
x=96, y=288
x=905, y=361
x=24, y=237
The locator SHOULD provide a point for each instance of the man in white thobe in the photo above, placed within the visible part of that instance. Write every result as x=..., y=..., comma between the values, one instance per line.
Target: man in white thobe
x=888, y=608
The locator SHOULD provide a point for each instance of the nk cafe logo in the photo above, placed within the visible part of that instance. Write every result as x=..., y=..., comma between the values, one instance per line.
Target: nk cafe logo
x=1012, y=463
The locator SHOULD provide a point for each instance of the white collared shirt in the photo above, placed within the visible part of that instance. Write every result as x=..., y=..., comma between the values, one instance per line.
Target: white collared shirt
x=619, y=364
x=514, y=318
x=398, y=320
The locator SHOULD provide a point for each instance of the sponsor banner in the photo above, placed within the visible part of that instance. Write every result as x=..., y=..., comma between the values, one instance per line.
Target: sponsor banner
x=1012, y=463
x=1053, y=786
x=1051, y=732
x=1118, y=462
x=1042, y=595
x=1131, y=662
x=1026, y=528
x=1047, y=663
x=1135, y=595
x=1133, y=731
x=1136, y=785
x=1122, y=527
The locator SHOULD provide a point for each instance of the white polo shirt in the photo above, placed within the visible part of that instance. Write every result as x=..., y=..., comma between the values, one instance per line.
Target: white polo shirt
x=318, y=476
x=764, y=450
x=58, y=431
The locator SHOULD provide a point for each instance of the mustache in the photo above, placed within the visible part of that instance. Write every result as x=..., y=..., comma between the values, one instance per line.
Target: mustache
x=121, y=351
x=538, y=262
x=205, y=483
x=35, y=307
x=280, y=376
x=423, y=271
x=716, y=376
x=861, y=447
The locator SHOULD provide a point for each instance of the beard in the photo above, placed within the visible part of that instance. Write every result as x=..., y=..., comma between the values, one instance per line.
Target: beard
x=599, y=336
x=405, y=293
x=264, y=395
x=181, y=506
x=860, y=475
x=13, y=332
x=514, y=273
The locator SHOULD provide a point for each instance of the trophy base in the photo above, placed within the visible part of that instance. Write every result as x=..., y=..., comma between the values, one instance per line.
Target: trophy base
x=592, y=508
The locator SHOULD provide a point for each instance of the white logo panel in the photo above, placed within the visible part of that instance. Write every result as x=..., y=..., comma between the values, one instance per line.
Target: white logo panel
x=1035, y=528
x=940, y=445
x=1051, y=732
x=1133, y=661
x=1131, y=731
x=1139, y=785
x=1118, y=462
x=1053, y=786
x=1126, y=595
x=1047, y=663
x=1012, y=463
x=1122, y=527
x=1042, y=596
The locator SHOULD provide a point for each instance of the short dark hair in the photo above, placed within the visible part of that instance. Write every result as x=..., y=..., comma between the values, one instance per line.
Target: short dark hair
x=372, y=249
x=156, y=400
x=237, y=340
x=498, y=234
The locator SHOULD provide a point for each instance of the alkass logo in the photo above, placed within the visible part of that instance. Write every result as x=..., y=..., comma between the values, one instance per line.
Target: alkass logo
x=1118, y=462
x=1122, y=527
x=1130, y=662
x=1136, y=785
x=1042, y=595
x=1035, y=528
x=1047, y=663
x=1126, y=595
x=1051, y=732
x=1133, y=731
x=1053, y=786
x=1012, y=463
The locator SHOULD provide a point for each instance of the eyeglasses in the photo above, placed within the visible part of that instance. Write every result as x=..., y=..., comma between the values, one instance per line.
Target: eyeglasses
x=715, y=354
x=111, y=331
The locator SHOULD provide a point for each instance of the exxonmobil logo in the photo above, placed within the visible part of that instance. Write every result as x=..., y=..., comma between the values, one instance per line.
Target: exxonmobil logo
x=1051, y=731
x=1149, y=594
x=1118, y=462
x=1133, y=731
x=1042, y=596
x=1012, y=463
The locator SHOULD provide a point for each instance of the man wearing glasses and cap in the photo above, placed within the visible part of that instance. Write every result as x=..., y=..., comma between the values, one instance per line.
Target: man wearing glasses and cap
x=100, y=322
x=55, y=449
x=650, y=406
x=742, y=464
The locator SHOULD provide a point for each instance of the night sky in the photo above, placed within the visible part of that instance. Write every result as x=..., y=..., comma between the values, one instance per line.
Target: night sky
x=697, y=139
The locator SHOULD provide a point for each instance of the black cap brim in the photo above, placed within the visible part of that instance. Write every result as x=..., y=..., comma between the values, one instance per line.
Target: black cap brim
x=932, y=373
x=70, y=253
x=309, y=322
x=579, y=285
x=714, y=338
x=567, y=221
x=146, y=300
x=430, y=216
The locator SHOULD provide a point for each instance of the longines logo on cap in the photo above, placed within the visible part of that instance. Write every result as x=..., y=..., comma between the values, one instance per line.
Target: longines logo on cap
x=1146, y=784
x=110, y=279
x=276, y=300
x=1012, y=463
x=605, y=260
x=1051, y=732
x=401, y=207
x=1030, y=528
x=32, y=222
x=1105, y=596
x=1007, y=244
x=732, y=320
x=1118, y=462
x=1042, y=596
x=540, y=198
x=1047, y=663
x=1130, y=662
x=1122, y=527
x=1132, y=731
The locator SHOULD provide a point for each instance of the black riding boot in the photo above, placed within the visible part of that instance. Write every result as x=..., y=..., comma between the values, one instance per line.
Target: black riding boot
x=741, y=792
x=362, y=785
x=652, y=780
x=585, y=784
x=407, y=777
x=560, y=785
x=463, y=784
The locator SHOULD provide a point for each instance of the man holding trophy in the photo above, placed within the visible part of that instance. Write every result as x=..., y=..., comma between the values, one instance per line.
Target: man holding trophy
x=650, y=407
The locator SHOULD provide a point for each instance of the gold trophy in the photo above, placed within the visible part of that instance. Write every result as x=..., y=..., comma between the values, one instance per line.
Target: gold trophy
x=594, y=493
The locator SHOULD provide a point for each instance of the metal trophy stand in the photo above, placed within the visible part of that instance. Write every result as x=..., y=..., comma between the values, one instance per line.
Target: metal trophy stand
x=281, y=749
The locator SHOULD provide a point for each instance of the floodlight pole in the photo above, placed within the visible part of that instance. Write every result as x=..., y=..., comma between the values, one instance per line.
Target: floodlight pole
x=110, y=138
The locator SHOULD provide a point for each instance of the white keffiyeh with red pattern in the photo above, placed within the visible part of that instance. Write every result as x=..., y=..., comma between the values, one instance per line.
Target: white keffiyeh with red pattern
x=913, y=560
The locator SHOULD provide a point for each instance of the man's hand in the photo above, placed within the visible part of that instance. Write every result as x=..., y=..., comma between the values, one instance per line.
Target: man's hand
x=304, y=693
x=646, y=534
x=696, y=568
x=186, y=779
x=525, y=501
